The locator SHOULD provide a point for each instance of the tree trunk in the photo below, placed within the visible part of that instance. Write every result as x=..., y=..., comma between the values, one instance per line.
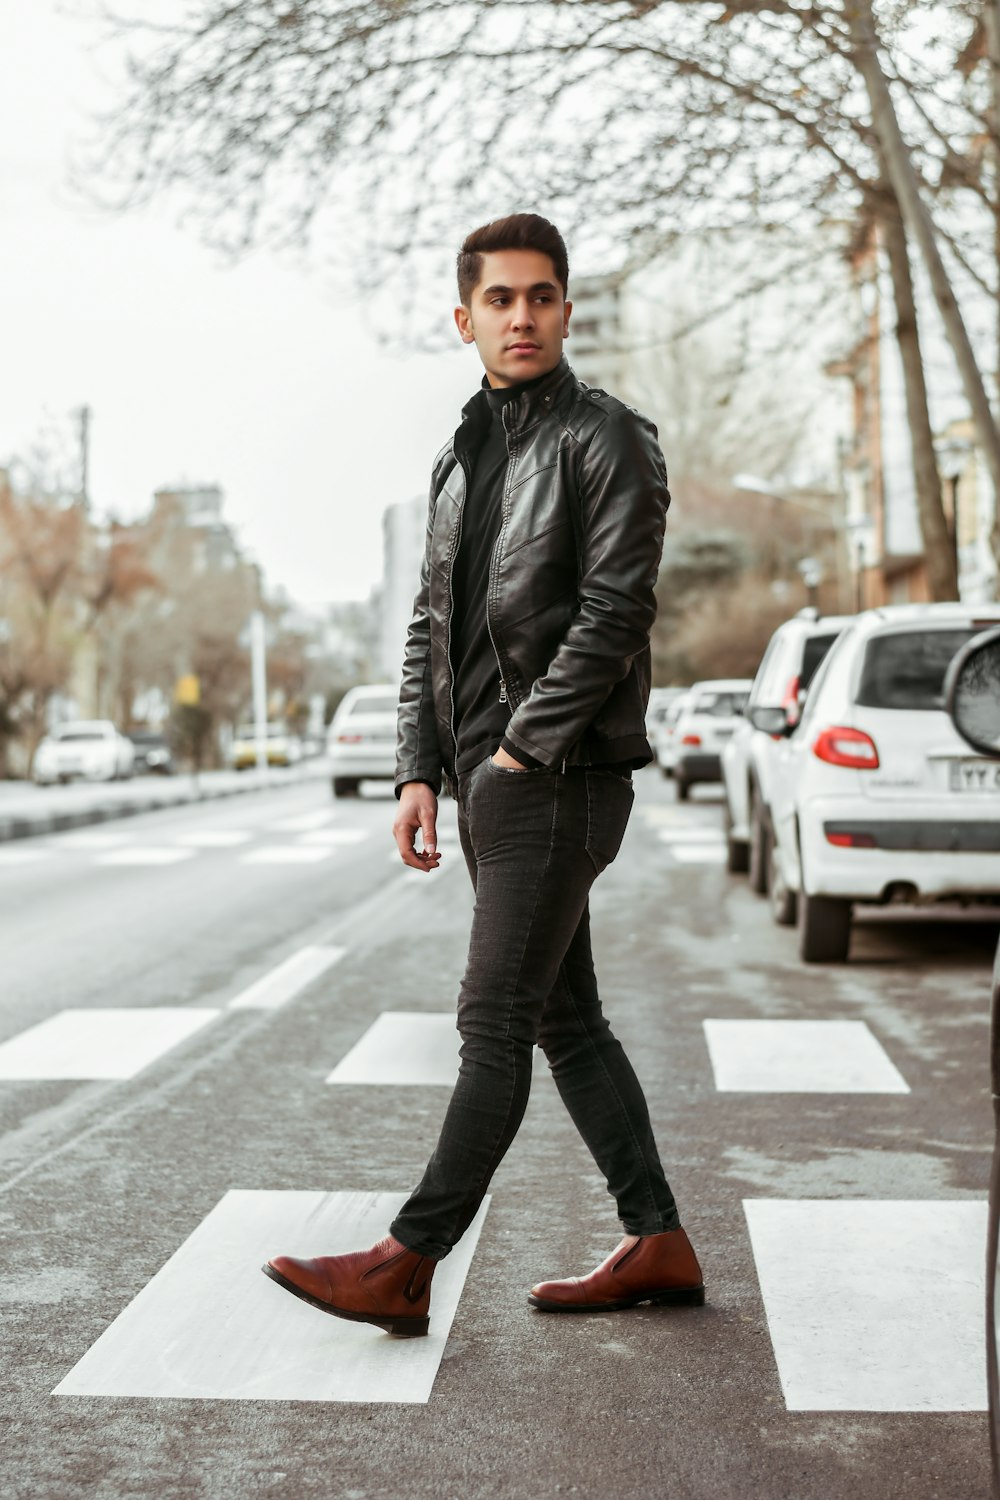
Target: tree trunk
x=899, y=169
x=937, y=536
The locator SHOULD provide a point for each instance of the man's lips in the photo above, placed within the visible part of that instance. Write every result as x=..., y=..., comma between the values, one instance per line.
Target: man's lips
x=524, y=348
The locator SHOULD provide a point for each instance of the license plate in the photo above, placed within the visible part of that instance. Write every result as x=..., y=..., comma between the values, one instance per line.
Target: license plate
x=974, y=776
x=723, y=734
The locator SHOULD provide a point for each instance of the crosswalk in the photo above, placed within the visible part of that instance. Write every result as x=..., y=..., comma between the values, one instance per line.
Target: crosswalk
x=872, y=1305
x=305, y=840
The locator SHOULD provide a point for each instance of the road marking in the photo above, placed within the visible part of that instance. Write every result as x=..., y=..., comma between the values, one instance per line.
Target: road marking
x=800, y=1057
x=148, y=856
x=874, y=1306
x=336, y=836
x=698, y=854
x=303, y=823
x=288, y=979
x=91, y=839
x=215, y=838
x=210, y=1326
x=285, y=854
x=691, y=835
x=403, y=1047
x=77, y=1044
x=24, y=856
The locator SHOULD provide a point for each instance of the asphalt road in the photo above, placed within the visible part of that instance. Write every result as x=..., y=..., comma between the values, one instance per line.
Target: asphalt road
x=811, y=1211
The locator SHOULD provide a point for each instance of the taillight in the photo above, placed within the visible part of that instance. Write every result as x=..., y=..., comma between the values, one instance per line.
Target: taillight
x=852, y=840
x=852, y=748
x=348, y=739
x=691, y=739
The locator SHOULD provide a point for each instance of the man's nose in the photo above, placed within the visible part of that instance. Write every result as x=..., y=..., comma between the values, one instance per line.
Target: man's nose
x=523, y=317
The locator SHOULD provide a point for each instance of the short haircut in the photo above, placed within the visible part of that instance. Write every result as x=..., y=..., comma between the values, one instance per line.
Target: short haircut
x=515, y=232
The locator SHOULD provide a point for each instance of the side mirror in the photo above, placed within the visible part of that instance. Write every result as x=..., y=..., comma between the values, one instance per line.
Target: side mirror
x=770, y=720
x=972, y=692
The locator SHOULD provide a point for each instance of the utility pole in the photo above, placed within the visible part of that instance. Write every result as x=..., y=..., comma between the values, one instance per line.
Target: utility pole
x=84, y=415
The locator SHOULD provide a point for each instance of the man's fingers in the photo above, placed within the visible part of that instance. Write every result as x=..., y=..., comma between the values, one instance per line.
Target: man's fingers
x=428, y=832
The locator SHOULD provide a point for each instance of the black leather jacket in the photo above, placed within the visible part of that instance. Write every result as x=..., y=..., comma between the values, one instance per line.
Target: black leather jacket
x=570, y=601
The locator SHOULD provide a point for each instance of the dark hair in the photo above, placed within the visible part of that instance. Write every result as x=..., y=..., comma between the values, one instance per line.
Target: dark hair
x=515, y=232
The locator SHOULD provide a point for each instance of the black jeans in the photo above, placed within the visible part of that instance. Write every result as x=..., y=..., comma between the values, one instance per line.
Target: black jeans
x=535, y=841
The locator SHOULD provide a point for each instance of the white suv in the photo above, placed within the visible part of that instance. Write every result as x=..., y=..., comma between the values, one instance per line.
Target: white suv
x=876, y=798
x=788, y=666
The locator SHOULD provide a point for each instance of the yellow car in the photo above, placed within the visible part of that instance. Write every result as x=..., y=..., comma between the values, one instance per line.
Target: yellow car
x=282, y=747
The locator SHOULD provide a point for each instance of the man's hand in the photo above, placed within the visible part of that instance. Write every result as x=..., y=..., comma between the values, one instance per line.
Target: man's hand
x=417, y=813
x=501, y=758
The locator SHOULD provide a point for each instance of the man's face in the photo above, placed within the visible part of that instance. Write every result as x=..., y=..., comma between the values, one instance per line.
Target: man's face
x=516, y=317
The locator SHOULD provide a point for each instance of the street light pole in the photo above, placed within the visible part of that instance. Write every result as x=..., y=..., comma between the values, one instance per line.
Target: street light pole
x=258, y=664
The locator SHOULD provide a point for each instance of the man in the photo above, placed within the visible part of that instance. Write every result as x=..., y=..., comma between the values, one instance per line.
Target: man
x=525, y=685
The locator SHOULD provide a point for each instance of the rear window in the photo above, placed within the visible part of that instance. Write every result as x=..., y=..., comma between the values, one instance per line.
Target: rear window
x=81, y=734
x=815, y=649
x=907, y=670
x=719, y=705
x=374, y=703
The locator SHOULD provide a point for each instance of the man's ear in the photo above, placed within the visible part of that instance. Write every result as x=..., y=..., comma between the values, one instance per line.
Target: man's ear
x=567, y=309
x=463, y=321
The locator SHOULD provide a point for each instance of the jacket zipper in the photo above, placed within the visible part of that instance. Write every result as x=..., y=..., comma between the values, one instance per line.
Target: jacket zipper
x=451, y=613
x=504, y=697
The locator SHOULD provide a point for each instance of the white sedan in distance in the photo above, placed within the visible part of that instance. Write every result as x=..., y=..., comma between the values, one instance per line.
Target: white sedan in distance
x=876, y=796
x=361, y=740
x=84, y=749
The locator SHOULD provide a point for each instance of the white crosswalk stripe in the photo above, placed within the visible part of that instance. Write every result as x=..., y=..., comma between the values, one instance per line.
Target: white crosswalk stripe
x=403, y=1047
x=110, y=1044
x=800, y=1057
x=150, y=855
x=286, y=854
x=288, y=979
x=223, y=1331
x=874, y=1305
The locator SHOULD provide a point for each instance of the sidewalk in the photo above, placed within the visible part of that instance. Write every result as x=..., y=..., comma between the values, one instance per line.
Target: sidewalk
x=27, y=810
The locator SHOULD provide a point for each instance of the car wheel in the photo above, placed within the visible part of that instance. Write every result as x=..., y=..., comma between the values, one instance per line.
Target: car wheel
x=737, y=852
x=760, y=847
x=683, y=790
x=784, y=903
x=824, y=929
x=345, y=786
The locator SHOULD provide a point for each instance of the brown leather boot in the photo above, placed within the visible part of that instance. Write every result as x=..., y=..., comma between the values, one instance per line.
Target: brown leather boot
x=660, y=1268
x=387, y=1285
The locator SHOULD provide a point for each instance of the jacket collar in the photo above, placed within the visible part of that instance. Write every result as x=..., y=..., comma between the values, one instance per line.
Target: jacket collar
x=527, y=408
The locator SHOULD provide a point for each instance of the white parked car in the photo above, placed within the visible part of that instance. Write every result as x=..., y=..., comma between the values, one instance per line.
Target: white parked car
x=662, y=733
x=361, y=741
x=710, y=714
x=91, y=749
x=876, y=797
x=788, y=666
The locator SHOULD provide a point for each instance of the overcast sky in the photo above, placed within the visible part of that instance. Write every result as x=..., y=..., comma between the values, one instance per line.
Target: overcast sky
x=255, y=378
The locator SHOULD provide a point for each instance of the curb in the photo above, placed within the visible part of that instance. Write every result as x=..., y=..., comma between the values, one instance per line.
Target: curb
x=20, y=826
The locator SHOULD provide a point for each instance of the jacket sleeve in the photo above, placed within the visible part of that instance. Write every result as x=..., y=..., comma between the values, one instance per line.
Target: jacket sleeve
x=418, y=751
x=623, y=498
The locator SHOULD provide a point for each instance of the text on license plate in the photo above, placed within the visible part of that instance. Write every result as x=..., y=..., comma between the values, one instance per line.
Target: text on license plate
x=974, y=776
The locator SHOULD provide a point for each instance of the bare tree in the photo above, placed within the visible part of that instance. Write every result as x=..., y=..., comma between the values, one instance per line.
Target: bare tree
x=371, y=128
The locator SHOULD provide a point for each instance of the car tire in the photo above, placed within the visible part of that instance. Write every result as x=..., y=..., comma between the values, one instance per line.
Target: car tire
x=683, y=789
x=824, y=929
x=345, y=786
x=737, y=852
x=758, y=853
x=784, y=902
